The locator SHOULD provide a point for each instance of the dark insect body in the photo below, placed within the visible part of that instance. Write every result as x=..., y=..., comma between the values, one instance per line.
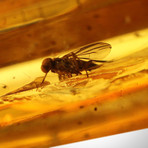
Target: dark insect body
x=78, y=60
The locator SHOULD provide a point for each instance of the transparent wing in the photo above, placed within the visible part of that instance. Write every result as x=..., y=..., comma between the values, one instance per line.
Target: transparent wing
x=94, y=51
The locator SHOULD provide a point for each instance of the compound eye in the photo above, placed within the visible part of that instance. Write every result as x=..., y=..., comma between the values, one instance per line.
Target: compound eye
x=44, y=69
x=46, y=65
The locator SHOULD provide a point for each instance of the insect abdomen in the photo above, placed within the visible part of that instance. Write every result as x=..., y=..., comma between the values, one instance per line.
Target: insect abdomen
x=87, y=65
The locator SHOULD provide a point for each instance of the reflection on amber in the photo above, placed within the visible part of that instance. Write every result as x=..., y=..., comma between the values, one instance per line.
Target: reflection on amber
x=6, y=119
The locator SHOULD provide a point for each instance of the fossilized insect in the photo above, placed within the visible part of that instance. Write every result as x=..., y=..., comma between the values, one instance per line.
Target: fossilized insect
x=81, y=59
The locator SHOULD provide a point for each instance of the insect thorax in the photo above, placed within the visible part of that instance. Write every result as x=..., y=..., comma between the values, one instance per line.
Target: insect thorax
x=70, y=65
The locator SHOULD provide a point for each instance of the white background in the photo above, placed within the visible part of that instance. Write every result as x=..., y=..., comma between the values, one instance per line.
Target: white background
x=135, y=139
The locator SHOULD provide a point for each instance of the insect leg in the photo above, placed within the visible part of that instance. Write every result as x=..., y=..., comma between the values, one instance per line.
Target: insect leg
x=60, y=77
x=64, y=77
x=69, y=75
x=87, y=65
x=87, y=73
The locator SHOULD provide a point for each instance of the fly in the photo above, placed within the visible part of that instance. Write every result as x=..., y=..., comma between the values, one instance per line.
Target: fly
x=81, y=59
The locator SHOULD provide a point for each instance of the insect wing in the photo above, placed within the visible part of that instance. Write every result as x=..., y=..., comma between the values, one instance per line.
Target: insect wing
x=95, y=51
